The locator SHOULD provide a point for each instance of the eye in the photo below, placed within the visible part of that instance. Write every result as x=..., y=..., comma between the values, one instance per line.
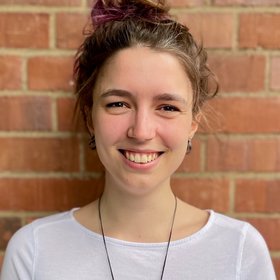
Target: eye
x=169, y=108
x=116, y=105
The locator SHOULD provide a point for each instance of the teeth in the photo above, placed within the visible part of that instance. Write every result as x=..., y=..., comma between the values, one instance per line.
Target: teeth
x=140, y=158
x=137, y=158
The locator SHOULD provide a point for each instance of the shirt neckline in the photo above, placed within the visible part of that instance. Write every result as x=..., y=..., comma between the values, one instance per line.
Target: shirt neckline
x=119, y=242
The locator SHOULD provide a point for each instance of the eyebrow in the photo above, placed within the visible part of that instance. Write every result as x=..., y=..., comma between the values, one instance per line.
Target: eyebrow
x=171, y=97
x=116, y=92
x=160, y=97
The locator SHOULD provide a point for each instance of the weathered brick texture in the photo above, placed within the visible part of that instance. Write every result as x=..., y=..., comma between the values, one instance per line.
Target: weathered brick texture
x=256, y=195
x=10, y=72
x=24, y=30
x=248, y=115
x=39, y=154
x=50, y=73
x=247, y=2
x=69, y=29
x=259, y=30
x=54, y=3
x=47, y=194
x=45, y=162
x=243, y=155
x=245, y=73
x=275, y=73
x=207, y=28
x=25, y=113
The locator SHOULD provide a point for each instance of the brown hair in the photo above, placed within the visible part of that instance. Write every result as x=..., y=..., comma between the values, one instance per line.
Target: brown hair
x=122, y=24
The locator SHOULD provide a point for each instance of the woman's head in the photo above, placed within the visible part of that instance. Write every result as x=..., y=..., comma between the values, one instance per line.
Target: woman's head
x=141, y=118
x=118, y=25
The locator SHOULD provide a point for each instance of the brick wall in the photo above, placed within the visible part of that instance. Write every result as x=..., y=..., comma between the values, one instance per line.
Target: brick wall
x=46, y=167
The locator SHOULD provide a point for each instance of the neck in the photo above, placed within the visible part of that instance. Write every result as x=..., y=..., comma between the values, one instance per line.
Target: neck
x=145, y=218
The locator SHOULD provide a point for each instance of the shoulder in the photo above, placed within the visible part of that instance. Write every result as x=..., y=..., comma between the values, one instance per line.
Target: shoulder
x=54, y=222
x=236, y=227
x=246, y=234
x=227, y=226
x=21, y=250
x=227, y=222
x=253, y=258
x=29, y=232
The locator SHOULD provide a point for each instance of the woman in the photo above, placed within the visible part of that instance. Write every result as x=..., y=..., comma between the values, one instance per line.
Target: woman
x=141, y=81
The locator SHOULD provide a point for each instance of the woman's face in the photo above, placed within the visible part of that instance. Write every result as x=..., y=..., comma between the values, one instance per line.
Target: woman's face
x=142, y=118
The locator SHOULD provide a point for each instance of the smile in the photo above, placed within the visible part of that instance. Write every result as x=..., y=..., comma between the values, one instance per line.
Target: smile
x=141, y=158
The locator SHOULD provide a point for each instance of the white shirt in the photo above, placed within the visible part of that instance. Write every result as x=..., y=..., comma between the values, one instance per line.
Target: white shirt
x=59, y=248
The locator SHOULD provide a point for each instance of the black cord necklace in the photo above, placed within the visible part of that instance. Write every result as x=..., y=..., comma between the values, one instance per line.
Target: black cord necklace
x=167, y=247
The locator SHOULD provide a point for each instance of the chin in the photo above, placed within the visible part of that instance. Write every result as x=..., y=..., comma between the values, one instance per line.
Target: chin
x=140, y=184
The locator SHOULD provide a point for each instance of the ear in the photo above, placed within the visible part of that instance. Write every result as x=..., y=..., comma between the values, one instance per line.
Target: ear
x=195, y=124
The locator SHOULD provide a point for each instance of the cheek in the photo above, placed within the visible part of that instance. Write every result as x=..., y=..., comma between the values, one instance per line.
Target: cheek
x=175, y=133
x=108, y=128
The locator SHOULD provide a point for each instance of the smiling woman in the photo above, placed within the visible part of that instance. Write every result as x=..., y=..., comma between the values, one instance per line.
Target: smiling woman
x=141, y=82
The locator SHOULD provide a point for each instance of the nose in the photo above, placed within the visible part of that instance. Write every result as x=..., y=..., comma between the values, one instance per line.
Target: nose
x=142, y=126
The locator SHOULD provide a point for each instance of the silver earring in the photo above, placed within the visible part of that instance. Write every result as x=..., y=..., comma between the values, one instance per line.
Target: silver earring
x=91, y=142
x=189, y=147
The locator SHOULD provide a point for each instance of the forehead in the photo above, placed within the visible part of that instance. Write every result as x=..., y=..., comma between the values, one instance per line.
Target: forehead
x=142, y=69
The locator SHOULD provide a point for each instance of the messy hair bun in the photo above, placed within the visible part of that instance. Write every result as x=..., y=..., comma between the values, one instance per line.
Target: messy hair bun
x=116, y=10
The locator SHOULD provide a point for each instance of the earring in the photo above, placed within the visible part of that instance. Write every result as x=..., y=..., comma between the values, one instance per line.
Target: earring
x=189, y=147
x=91, y=142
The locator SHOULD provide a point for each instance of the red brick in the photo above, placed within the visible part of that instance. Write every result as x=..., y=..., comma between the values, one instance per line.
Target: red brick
x=50, y=73
x=248, y=115
x=47, y=194
x=8, y=226
x=226, y=155
x=259, y=30
x=269, y=228
x=43, y=2
x=247, y=2
x=22, y=30
x=65, y=114
x=25, y=113
x=214, y=30
x=70, y=30
x=253, y=195
x=10, y=72
x=276, y=263
x=264, y=155
x=275, y=73
x=39, y=154
x=203, y=193
x=239, y=73
x=191, y=162
x=257, y=155
x=67, y=120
